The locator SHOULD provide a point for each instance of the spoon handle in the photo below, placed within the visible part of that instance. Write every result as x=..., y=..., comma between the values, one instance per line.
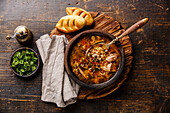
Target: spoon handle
x=135, y=27
x=131, y=29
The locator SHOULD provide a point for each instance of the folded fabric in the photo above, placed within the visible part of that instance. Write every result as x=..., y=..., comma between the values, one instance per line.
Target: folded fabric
x=57, y=87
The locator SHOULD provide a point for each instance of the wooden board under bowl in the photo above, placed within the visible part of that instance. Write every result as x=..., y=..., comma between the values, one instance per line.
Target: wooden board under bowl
x=106, y=23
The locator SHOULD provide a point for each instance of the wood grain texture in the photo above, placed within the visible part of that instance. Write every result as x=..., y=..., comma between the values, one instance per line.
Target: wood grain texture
x=105, y=23
x=147, y=88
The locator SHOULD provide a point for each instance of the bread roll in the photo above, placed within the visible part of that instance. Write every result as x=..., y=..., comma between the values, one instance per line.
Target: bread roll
x=70, y=23
x=80, y=12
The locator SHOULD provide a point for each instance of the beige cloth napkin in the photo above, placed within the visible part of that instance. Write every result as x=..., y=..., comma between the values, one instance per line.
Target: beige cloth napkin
x=57, y=87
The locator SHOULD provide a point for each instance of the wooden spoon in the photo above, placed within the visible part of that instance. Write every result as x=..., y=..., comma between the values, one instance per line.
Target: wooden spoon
x=128, y=31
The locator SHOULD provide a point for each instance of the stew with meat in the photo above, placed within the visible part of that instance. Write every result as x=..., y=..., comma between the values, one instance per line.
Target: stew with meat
x=101, y=63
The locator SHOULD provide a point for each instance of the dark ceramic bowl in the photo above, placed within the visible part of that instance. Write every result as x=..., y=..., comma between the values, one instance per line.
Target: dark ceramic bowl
x=69, y=69
x=37, y=62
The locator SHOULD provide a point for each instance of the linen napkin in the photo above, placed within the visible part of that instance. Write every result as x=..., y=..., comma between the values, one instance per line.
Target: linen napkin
x=57, y=87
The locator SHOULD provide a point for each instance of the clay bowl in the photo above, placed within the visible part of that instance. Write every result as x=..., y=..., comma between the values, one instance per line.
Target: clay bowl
x=37, y=62
x=67, y=59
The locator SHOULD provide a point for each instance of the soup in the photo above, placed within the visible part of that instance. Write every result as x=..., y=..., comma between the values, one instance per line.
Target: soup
x=100, y=65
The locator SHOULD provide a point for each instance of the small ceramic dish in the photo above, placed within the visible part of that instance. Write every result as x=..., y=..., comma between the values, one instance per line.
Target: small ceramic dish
x=37, y=62
x=68, y=65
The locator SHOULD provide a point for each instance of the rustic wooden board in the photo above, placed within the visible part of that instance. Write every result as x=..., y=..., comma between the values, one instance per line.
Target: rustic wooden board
x=106, y=23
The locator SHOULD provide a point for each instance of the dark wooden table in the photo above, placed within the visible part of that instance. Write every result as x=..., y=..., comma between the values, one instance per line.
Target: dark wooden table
x=147, y=88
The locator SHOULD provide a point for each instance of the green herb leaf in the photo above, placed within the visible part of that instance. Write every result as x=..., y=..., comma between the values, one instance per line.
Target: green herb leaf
x=31, y=63
x=22, y=70
x=33, y=68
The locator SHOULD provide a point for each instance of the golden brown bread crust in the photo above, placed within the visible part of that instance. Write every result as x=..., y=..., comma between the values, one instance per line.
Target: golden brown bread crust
x=80, y=12
x=70, y=23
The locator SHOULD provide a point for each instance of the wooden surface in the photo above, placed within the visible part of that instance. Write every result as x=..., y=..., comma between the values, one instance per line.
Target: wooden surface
x=147, y=88
x=109, y=24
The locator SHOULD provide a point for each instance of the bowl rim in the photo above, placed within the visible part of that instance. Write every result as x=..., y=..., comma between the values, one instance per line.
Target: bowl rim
x=11, y=59
x=73, y=76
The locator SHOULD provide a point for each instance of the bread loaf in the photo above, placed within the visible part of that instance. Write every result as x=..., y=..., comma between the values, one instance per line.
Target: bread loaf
x=80, y=12
x=70, y=23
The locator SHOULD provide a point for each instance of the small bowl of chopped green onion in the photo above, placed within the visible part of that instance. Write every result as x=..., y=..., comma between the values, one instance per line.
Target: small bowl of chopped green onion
x=24, y=62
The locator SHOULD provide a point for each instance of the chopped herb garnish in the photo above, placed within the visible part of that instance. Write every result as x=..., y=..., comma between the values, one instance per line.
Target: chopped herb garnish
x=24, y=62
